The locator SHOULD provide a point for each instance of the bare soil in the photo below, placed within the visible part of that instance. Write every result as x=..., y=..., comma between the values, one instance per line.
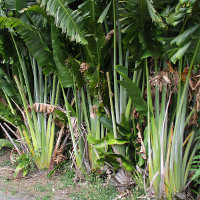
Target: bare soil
x=34, y=186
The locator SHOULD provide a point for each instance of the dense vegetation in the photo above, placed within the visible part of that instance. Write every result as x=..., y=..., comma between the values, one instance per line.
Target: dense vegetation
x=114, y=85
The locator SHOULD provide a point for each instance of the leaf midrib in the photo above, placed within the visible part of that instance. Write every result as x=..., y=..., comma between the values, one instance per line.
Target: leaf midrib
x=61, y=4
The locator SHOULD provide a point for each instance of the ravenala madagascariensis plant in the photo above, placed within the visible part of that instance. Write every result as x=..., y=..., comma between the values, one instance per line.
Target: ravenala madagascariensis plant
x=99, y=53
x=40, y=130
x=169, y=149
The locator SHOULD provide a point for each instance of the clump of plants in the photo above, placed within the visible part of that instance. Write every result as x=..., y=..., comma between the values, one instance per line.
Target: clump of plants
x=117, y=81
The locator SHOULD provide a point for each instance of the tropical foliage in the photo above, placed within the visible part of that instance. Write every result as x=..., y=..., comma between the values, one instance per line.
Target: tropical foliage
x=116, y=80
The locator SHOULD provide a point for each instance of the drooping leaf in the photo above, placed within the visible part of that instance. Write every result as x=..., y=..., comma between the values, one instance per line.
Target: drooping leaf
x=9, y=87
x=180, y=53
x=10, y=4
x=141, y=25
x=32, y=38
x=110, y=157
x=134, y=93
x=122, y=70
x=36, y=9
x=20, y=4
x=104, y=142
x=15, y=4
x=155, y=15
x=59, y=56
x=70, y=21
x=180, y=39
x=107, y=122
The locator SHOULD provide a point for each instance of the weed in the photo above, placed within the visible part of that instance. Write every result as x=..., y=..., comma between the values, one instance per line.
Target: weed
x=25, y=164
x=13, y=192
x=3, y=189
x=68, y=175
x=41, y=188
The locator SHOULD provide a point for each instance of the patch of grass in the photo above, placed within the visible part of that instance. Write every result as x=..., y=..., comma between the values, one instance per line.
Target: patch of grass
x=3, y=189
x=136, y=192
x=67, y=176
x=2, y=152
x=5, y=158
x=45, y=190
x=41, y=188
x=46, y=197
x=5, y=163
x=95, y=191
x=13, y=192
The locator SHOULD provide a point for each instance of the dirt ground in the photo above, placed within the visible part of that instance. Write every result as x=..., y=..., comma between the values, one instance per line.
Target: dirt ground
x=35, y=186
x=61, y=186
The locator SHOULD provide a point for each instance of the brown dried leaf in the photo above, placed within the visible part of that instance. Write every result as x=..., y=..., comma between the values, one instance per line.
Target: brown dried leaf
x=124, y=178
x=84, y=67
x=142, y=148
x=93, y=111
x=108, y=36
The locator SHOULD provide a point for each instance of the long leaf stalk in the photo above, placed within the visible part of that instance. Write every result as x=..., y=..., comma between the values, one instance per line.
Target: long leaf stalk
x=54, y=101
x=126, y=66
x=117, y=108
x=169, y=153
x=41, y=142
x=85, y=111
x=77, y=155
x=112, y=107
x=25, y=76
x=32, y=133
x=95, y=127
x=136, y=80
x=42, y=137
x=122, y=90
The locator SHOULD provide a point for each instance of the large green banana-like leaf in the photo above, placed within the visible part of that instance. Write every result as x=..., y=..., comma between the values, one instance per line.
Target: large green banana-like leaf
x=8, y=87
x=20, y=4
x=180, y=53
x=133, y=91
x=184, y=44
x=32, y=38
x=36, y=9
x=59, y=57
x=10, y=4
x=6, y=47
x=107, y=122
x=142, y=26
x=7, y=116
x=70, y=21
x=15, y=4
x=112, y=158
x=103, y=143
x=155, y=15
x=180, y=39
x=95, y=31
